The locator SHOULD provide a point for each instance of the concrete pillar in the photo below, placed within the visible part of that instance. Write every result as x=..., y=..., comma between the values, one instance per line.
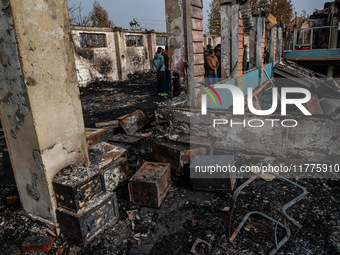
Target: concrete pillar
x=259, y=39
x=280, y=42
x=240, y=50
x=198, y=39
x=121, y=54
x=226, y=38
x=40, y=105
x=235, y=39
x=252, y=46
x=272, y=45
x=152, y=47
x=275, y=46
x=185, y=37
x=175, y=16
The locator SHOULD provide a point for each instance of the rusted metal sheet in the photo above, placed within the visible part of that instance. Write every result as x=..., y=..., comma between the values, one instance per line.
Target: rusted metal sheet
x=133, y=122
x=94, y=136
x=115, y=173
x=75, y=187
x=102, y=154
x=149, y=186
x=90, y=221
x=177, y=155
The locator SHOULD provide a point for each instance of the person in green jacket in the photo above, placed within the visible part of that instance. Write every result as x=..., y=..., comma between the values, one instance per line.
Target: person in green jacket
x=159, y=67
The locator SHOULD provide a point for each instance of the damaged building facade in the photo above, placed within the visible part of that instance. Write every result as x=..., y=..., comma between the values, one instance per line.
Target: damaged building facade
x=68, y=176
x=106, y=54
x=314, y=45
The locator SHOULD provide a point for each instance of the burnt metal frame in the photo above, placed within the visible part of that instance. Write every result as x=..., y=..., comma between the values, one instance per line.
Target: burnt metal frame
x=296, y=30
x=283, y=210
x=279, y=245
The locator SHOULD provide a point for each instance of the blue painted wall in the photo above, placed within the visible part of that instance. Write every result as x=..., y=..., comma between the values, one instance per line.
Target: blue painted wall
x=249, y=80
x=305, y=54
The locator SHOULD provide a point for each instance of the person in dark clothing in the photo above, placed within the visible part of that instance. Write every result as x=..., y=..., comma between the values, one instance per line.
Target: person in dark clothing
x=266, y=55
x=206, y=54
x=245, y=58
x=167, y=70
x=218, y=55
x=213, y=64
x=159, y=67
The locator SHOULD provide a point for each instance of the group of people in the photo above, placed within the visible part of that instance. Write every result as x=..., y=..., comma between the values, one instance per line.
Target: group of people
x=212, y=66
x=212, y=63
x=161, y=66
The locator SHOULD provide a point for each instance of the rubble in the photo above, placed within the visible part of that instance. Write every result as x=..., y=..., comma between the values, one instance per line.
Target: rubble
x=37, y=244
x=133, y=122
x=186, y=215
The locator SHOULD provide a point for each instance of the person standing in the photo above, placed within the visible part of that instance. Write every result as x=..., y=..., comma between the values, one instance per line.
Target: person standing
x=245, y=58
x=159, y=67
x=167, y=70
x=213, y=64
x=266, y=55
x=206, y=54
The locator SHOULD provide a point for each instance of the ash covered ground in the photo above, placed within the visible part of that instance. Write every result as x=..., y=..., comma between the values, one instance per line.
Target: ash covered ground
x=185, y=214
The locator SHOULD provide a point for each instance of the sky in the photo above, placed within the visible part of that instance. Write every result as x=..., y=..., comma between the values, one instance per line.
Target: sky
x=151, y=13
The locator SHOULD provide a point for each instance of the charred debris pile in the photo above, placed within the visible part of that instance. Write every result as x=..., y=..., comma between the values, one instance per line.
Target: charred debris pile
x=136, y=197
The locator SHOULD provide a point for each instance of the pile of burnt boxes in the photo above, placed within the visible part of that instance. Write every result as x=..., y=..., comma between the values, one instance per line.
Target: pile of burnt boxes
x=86, y=202
x=123, y=132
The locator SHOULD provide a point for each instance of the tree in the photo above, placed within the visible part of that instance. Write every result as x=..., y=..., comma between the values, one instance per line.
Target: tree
x=304, y=15
x=281, y=9
x=78, y=19
x=99, y=16
x=214, y=22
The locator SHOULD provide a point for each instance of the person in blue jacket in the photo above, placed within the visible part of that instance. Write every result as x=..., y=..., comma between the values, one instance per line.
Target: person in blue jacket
x=159, y=67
